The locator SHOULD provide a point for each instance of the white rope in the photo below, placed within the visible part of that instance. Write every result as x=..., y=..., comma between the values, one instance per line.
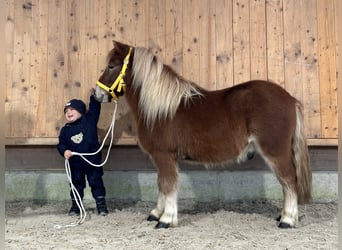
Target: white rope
x=78, y=200
x=111, y=130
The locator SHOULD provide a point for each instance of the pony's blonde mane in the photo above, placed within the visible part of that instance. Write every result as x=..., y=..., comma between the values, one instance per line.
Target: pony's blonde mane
x=161, y=89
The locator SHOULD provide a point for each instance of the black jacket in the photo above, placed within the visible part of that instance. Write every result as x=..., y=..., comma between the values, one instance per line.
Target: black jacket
x=81, y=136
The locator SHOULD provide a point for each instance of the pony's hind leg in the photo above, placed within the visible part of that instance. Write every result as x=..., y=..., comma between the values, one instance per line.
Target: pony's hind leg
x=287, y=177
x=166, y=210
x=286, y=174
x=289, y=214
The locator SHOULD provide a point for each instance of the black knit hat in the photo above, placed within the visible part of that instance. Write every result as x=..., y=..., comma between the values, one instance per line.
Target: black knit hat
x=76, y=104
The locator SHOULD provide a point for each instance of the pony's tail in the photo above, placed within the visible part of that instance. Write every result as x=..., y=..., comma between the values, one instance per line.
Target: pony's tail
x=300, y=159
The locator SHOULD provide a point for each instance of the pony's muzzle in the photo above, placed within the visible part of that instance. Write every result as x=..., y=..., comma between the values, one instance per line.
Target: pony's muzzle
x=101, y=94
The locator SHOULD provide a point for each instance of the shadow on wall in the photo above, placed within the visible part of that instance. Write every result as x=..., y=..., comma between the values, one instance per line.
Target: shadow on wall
x=40, y=190
x=19, y=124
x=120, y=183
x=124, y=123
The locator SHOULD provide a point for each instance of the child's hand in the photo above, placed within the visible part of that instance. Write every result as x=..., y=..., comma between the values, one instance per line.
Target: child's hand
x=67, y=154
x=97, y=98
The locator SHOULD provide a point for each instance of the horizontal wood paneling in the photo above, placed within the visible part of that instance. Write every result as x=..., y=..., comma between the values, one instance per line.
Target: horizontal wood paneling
x=56, y=50
x=132, y=158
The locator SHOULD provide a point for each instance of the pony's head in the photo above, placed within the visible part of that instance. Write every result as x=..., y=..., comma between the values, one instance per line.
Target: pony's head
x=155, y=87
x=111, y=83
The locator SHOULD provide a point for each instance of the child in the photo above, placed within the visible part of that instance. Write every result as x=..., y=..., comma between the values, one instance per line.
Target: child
x=79, y=134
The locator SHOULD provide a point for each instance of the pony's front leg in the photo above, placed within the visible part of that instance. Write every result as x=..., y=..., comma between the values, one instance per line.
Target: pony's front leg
x=157, y=212
x=170, y=215
x=166, y=211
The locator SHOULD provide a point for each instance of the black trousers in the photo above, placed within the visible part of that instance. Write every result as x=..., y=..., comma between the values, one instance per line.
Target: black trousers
x=79, y=174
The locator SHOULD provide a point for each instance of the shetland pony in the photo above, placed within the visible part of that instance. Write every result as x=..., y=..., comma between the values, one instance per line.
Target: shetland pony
x=178, y=120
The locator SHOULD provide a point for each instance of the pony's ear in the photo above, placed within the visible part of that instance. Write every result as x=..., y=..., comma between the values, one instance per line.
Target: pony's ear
x=123, y=48
x=119, y=45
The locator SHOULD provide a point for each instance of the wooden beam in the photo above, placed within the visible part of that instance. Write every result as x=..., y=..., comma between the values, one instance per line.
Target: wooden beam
x=123, y=158
x=134, y=141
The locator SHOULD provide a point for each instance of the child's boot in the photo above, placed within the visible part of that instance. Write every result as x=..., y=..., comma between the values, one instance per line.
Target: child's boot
x=74, y=210
x=101, y=206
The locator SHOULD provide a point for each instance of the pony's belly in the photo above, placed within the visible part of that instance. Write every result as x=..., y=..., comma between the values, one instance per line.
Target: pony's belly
x=212, y=164
x=221, y=156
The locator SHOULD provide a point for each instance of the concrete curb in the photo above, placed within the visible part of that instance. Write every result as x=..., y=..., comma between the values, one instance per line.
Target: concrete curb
x=202, y=186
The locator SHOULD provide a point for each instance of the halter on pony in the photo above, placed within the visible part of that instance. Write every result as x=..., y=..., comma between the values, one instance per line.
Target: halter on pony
x=119, y=83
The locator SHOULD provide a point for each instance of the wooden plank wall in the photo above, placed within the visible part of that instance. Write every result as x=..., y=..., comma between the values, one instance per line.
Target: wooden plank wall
x=57, y=49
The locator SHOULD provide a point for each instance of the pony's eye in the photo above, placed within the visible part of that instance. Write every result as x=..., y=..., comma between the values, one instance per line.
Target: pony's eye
x=110, y=66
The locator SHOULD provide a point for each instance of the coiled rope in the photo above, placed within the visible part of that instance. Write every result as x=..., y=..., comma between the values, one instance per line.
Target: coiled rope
x=78, y=200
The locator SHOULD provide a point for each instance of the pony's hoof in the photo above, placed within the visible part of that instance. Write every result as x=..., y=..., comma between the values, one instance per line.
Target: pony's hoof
x=284, y=225
x=152, y=218
x=278, y=218
x=162, y=225
x=250, y=155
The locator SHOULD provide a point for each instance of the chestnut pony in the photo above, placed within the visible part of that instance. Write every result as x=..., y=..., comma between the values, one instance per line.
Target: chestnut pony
x=178, y=120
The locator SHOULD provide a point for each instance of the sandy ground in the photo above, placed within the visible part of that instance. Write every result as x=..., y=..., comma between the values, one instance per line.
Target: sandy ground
x=237, y=225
